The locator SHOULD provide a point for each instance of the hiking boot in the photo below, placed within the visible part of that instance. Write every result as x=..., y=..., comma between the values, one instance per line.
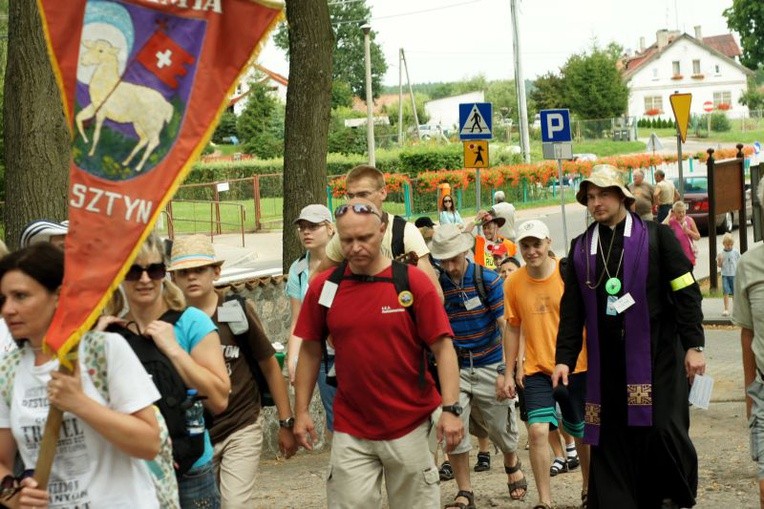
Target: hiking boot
x=483, y=462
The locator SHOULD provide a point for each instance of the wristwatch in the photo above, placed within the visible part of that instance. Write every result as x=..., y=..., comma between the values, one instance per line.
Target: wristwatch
x=455, y=409
x=501, y=369
x=698, y=348
x=287, y=423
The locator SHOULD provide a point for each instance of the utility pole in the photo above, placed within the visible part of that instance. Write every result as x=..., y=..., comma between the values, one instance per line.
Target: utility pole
x=411, y=93
x=525, y=144
x=369, y=97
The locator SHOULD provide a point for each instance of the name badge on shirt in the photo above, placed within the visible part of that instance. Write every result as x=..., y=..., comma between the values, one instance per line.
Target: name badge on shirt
x=472, y=303
x=623, y=303
x=327, y=294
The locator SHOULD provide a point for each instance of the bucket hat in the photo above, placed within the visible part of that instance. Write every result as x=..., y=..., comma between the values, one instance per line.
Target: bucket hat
x=450, y=241
x=192, y=251
x=604, y=176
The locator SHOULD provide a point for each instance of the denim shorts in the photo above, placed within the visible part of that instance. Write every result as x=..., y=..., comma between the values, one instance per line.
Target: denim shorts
x=198, y=489
x=728, y=285
x=756, y=423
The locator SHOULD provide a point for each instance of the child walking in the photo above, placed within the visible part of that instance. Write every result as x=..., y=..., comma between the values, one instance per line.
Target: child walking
x=727, y=261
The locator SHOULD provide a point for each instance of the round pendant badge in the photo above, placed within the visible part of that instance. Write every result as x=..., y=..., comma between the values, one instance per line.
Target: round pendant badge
x=405, y=298
x=613, y=286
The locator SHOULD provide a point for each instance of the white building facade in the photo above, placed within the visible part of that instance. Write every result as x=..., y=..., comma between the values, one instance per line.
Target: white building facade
x=680, y=63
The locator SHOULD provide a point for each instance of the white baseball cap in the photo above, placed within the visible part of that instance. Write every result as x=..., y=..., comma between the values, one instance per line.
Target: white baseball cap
x=315, y=213
x=533, y=228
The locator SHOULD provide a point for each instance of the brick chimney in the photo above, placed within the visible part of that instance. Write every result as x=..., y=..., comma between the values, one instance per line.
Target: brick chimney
x=698, y=33
x=662, y=38
x=641, y=44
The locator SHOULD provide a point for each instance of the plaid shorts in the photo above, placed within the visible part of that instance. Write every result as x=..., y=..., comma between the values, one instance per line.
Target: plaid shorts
x=756, y=423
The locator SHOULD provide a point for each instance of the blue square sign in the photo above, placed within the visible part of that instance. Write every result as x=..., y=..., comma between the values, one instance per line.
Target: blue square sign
x=555, y=125
x=475, y=121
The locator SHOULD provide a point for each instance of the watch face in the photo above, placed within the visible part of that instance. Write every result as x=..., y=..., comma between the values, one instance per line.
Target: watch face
x=454, y=409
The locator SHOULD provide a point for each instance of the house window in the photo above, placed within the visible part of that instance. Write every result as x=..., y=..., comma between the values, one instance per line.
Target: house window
x=655, y=73
x=696, y=67
x=717, y=69
x=653, y=105
x=723, y=98
x=676, y=68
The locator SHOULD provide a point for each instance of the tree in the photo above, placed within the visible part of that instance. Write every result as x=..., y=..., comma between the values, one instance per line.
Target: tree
x=37, y=140
x=753, y=96
x=592, y=85
x=260, y=124
x=226, y=128
x=548, y=92
x=746, y=17
x=349, y=61
x=391, y=110
x=307, y=113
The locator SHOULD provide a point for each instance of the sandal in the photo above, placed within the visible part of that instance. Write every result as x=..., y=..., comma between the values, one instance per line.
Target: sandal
x=558, y=466
x=573, y=462
x=470, y=496
x=542, y=505
x=584, y=499
x=483, y=462
x=522, y=484
x=446, y=471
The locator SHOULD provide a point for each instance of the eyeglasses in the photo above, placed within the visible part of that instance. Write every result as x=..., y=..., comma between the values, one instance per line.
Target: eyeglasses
x=155, y=271
x=10, y=485
x=447, y=201
x=308, y=227
x=358, y=208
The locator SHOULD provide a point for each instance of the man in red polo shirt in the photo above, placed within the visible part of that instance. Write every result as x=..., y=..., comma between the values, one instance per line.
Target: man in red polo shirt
x=384, y=401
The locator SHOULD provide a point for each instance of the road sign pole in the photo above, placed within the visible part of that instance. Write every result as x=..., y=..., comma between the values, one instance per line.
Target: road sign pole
x=562, y=206
x=477, y=190
x=679, y=163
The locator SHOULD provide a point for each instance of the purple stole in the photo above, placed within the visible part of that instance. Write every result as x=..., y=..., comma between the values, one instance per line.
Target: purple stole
x=636, y=326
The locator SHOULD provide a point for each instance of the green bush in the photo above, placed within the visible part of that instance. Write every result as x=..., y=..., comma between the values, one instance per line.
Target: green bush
x=720, y=122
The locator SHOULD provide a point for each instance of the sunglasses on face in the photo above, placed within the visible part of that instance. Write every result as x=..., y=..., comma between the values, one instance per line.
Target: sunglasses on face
x=358, y=208
x=10, y=485
x=447, y=201
x=155, y=271
x=309, y=227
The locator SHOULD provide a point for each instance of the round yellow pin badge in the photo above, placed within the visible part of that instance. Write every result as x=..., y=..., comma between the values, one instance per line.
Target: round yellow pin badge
x=405, y=298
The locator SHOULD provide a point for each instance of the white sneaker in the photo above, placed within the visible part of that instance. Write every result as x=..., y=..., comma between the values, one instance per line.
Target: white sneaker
x=725, y=313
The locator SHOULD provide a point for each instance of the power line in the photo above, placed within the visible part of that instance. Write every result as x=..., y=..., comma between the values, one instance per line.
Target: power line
x=411, y=13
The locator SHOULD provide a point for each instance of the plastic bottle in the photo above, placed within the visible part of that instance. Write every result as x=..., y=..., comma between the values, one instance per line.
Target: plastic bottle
x=194, y=413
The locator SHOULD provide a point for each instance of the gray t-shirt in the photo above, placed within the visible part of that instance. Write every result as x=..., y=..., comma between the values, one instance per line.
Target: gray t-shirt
x=749, y=299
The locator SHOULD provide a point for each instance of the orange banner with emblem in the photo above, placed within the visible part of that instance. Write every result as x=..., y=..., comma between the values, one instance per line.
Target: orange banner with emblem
x=143, y=83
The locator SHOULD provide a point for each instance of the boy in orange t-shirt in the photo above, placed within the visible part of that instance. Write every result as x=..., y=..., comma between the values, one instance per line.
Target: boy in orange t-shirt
x=532, y=306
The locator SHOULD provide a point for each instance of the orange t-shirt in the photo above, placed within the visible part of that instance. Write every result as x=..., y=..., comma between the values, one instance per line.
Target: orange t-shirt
x=534, y=306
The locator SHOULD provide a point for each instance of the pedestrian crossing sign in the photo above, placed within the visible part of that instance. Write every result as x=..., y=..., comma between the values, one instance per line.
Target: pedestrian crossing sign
x=475, y=121
x=476, y=154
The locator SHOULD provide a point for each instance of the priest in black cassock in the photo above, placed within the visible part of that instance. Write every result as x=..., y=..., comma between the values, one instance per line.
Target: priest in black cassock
x=632, y=287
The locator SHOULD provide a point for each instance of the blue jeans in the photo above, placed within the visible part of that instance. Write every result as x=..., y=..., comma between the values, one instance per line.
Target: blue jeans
x=327, y=393
x=197, y=489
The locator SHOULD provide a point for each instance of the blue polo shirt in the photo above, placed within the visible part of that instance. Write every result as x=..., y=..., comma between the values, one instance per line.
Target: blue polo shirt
x=476, y=330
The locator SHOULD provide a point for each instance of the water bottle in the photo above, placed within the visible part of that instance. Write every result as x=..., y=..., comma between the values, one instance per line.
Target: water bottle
x=194, y=413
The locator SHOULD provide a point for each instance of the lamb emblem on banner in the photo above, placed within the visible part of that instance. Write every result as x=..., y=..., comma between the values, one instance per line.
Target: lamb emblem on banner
x=135, y=73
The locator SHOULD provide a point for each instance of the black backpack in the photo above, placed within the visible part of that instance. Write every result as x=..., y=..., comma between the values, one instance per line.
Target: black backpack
x=400, y=280
x=397, y=246
x=185, y=449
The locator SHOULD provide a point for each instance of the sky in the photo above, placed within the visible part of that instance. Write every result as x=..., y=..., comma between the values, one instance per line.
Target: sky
x=452, y=40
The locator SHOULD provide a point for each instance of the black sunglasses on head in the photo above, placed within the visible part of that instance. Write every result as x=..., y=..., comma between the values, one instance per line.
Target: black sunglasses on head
x=358, y=208
x=10, y=485
x=155, y=271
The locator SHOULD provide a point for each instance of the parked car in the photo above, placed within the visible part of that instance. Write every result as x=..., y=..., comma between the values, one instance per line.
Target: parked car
x=427, y=132
x=696, y=198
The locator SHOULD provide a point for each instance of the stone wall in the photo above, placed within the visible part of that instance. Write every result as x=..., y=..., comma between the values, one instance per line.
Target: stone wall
x=274, y=311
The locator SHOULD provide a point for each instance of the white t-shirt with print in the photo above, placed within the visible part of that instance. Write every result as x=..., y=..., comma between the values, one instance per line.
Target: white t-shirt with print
x=88, y=471
x=7, y=344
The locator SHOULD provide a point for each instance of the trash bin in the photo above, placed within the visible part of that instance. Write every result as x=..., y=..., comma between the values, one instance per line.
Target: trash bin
x=444, y=189
x=616, y=135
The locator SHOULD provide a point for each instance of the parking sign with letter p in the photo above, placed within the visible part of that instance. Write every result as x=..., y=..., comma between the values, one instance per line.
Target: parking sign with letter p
x=555, y=125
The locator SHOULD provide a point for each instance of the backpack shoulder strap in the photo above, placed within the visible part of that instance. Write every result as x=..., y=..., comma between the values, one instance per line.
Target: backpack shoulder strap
x=172, y=316
x=8, y=368
x=399, y=227
x=480, y=285
x=401, y=284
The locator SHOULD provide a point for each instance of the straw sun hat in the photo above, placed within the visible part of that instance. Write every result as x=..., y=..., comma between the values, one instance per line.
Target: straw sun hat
x=604, y=175
x=192, y=251
x=449, y=241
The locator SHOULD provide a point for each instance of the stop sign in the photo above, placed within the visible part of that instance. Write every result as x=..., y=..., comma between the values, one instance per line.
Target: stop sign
x=708, y=106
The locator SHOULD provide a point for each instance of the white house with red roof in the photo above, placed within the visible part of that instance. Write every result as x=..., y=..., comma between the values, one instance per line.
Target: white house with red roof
x=256, y=72
x=706, y=67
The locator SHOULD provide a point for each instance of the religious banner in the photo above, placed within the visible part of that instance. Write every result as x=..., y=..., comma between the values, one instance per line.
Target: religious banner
x=143, y=83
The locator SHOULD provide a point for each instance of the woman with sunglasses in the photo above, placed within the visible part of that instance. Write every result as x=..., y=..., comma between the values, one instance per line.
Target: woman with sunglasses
x=191, y=344
x=315, y=229
x=448, y=212
x=103, y=441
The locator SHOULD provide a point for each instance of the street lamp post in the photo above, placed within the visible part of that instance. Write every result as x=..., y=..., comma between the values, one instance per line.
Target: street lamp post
x=369, y=101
